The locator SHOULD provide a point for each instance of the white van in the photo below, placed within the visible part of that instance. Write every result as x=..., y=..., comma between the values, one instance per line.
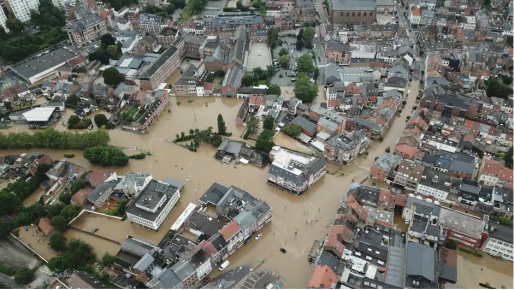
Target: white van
x=224, y=265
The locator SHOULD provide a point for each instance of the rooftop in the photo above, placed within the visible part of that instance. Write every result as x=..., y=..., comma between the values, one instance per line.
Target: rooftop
x=42, y=63
x=41, y=114
x=462, y=223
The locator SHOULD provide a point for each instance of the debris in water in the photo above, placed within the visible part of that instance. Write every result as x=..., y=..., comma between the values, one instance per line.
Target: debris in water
x=283, y=250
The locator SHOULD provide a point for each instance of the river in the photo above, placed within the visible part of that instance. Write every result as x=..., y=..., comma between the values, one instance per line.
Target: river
x=290, y=212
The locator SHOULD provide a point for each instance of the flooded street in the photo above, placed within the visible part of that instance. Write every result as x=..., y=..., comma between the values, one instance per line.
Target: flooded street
x=34, y=196
x=474, y=270
x=320, y=202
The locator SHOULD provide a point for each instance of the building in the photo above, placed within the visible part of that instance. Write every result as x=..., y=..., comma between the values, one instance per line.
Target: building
x=490, y=172
x=155, y=202
x=434, y=184
x=44, y=66
x=83, y=280
x=86, y=29
x=462, y=228
x=161, y=100
x=40, y=117
x=46, y=226
x=133, y=183
x=160, y=69
x=186, y=83
x=499, y=242
x=353, y=11
x=232, y=81
x=151, y=23
x=3, y=20
x=293, y=171
x=20, y=9
x=421, y=267
x=323, y=278
x=346, y=147
x=383, y=166
x=447, y=265
x=422, y=217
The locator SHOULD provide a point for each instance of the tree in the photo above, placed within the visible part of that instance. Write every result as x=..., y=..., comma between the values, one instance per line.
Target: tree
x=29, y=215
x=24, y=276
x=112, y=50
x=60, y=223
x=73, y=120
x=65, y=197
x=78, y=256
x=271, y=70
x=107, y=40
x=274, y=90
x=112, y=76
x=70, y=211
x=451, y=244
x=404, y=103
x=247, y=80
x=283, y=51
x=57, y=241
x=15, y=25
x=9, y=202
x=107, y=259
x=269, y=123
x=292, y=130
x=283, y=61
x=273, y=39
x=71, y=100
x=55, y=209
x=251, y=126
x=5, y=227
x=265, y=141
x=222, y=128
x=305, y=64
x=100, y=120
x=55, y=264
x=304, y=90
x=308, y=36
x=316, y=74
x=507, y=80
x=77, y=184
x=106, y=156
x=3, y=34
x=508, y=158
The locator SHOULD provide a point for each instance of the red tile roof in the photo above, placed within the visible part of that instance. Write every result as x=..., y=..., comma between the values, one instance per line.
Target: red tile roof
x=45, y=159
x=492, y=168
x=46, y=226
x=416, y=12
x=406, y=149
x=506, y=174
x=208, y=86
x=334, y=103
x=99, y=176
x=104, y=13
x=322, y=278
x=81, y=195
x=209, y=248
x=230, y=230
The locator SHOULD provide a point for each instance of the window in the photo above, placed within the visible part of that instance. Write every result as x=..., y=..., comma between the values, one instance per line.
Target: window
x=364, y=14
x=353, y=13
x=359, y=14
x=347, y=14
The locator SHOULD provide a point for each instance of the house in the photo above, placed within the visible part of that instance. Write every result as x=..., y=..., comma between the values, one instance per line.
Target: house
x=46, y=226
x=499, y=242
x=228, y=148
x=406, y=151
x=243, y=111
x=420, y=268
x=434, y=184
x=384, y=164
x=232, y=81
x=490, y=172
x=83, y=280
x=448, y=265
x=346, y=147
x=97, y=177
x=64, y=170
x=309, y=128
x=323, y=278
x=160, y=101
x=337, y=51
x=45, y=159
x=80, y=197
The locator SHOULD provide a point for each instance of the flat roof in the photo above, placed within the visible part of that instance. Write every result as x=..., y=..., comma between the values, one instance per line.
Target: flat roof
x=42, y=114
x=42, y=63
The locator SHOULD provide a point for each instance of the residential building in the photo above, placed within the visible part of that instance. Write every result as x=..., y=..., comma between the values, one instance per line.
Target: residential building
x=491, y=173
x=383, y=166
x=20, y=9
x=499, y=242
x=353, y=12
x=160, y=101
x=304, y=11
x=463, y=228
x=46, y=226
x=293, y=171
x=151, y=23
x=186, y=83
x=421, y=267
x=161, y=68
x=323, y=278
x=101, y=194
x=232, y=81
x=86, y=30
x=154, y=203
x=83, y=280
x=346, y=147
x=408, y=174
x=434, y=184
x=3, y=20
x=308, y=127
x=337, y=51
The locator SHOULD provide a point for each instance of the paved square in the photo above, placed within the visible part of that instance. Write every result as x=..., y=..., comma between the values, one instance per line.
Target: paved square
x=259, y=56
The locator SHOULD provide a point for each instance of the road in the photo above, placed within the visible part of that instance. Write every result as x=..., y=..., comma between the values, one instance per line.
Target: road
x=9, y=281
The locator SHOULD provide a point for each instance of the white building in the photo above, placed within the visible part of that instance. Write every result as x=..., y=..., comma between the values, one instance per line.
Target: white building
x=155, y=203
x=415, y=16
x=133, y=183
x=3, y=20
x=21, y=8
x=499, y=243
x=434, y=183
x=59, y=4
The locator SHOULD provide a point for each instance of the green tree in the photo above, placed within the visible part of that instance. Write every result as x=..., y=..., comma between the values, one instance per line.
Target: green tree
x=57, y=241
x=56, y=264
x=304, y=90
x=247, y=80
x=65, y=197
x=55, y=209
x=252, y=125
x=29, y=215
x=269, y=123
x=100, y=120
x=78, y=255
x=308, y=36
x=274, y=90
x=222, y=128
x=273, y=38
x=15, y=25
x=73, y=120
x=451, y=244
x=24, y=276
x=9, y=202
x=508, y=158
x=5, y=227
x=60, y=223
x=107, y=259
x=305, y=64
x=112, y=76
x=71, y=100
x=107, y=40
x=507, y=80
x=265, y=141
x=106, y=156
x=283, y=61
x=69, y=212
x=283, y=51
x=316, y=73
x=292, y=130
x=112, y=50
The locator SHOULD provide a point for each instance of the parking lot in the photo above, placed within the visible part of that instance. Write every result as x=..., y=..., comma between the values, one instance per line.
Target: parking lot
x=258, y=56
x=290, y=44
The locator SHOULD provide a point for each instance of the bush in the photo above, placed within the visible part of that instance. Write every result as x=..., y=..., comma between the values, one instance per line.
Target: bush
x=106, y=156
x=451, y=244
x=293, y=130
x=24, y=276
x=69, y=155
x=100, y=120
x=57, y=241
x=107, y=259
x=138, y=156
x=7, y=270
x=51, y=138
x=388, y=150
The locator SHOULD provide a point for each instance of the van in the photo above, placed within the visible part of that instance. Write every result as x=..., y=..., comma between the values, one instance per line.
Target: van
x=224, y=265
x=293, y=80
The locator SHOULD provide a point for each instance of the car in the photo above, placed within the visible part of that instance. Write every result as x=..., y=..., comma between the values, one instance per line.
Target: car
x=94, y=230
x=258, y=236
x=206, y=281
x=224, y=265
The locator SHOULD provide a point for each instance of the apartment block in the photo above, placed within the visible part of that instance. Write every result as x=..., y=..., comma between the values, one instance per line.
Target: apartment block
x=21, y=8
x=89, y=28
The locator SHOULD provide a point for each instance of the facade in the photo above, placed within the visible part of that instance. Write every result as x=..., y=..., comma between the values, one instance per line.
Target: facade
x=186, y=84
x=151, y=23
x=155, y=203
x=383, y=166
x=3, y=20
x=160, y=69
x=499, y=243
x=434, y=184
x=353, y=12
x=293, y=171
x=20, y=9
x=86, y=29
x=154, y=109
x=345, y=148
x=462, y=228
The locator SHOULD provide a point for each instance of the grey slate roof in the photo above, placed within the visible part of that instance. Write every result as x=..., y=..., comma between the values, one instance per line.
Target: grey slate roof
x=158, y=63
x=46, y=61
x=214, y=194
x=166, y=280
x=354, y=5
x=395, y=266
x=420, y=261
x=230, y=146
x=304, y=123
x=500, y=232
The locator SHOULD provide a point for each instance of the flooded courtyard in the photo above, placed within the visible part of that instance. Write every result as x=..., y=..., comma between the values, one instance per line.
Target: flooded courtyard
x=290, y=212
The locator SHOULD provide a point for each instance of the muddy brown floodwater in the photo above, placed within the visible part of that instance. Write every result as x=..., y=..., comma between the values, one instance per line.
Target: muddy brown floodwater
x=290, y=212
x=474, y=270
